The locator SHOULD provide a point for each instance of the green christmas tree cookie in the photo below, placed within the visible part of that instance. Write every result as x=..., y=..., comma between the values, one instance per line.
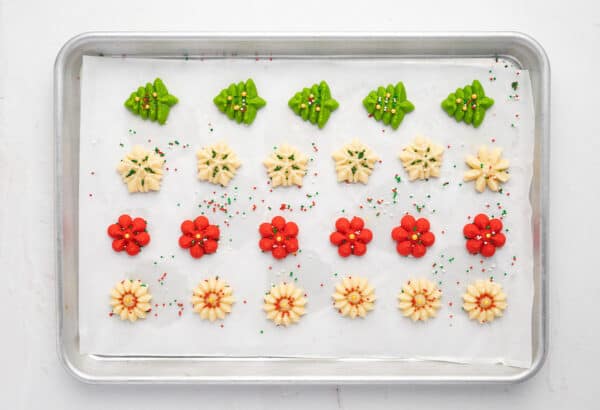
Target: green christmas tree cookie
x=388, y=104
x=468, y=104
x=151, y=102
x=314, y=104
x=240, y=102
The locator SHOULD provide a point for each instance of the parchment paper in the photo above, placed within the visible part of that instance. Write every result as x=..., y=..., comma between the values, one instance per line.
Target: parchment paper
x=108, y=131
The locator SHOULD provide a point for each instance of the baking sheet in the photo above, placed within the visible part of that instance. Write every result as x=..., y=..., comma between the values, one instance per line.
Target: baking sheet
x=108, y=131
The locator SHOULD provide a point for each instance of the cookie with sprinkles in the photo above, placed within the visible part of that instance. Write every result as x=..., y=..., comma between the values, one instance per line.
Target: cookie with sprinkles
x=354, y=297
x=484, y=301
x=314, y=104
x=141, y=170
x=152, y=102
x=129, y=235
x=212, y=299
x=199, y=236
x=130, y=300
x=388, y=104
x=468, y=104
x=240, y=102
x=285, y=304
x=286, y=166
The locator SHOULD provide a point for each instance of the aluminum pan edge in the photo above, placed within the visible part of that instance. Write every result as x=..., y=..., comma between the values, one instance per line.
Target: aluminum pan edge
x=519, y=47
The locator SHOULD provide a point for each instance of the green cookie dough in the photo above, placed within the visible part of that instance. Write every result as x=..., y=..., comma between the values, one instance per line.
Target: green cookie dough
x=468, y=104
x=314, y=104
x=240, y=102
x=152, y=102
x=388, y=104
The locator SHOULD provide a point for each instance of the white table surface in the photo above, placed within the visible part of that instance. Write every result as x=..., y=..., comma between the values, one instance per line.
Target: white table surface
x=31, y=34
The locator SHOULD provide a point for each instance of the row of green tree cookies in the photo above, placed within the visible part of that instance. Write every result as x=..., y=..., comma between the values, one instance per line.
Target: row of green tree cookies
x=241, y=102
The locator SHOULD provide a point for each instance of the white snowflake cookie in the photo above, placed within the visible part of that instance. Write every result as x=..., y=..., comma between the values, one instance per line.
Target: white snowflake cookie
x=141, y=170
x=286, y=166
x=422, y=159
x=484, y=301
x=354, y=162
x=217, y=164
x=487, y=169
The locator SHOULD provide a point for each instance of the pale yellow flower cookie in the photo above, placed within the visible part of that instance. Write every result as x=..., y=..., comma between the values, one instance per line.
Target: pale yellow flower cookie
x=130, y=300
x=217, y=164
x=212, y=299
x=354, y=297
x=284, y=304
x=484, y=300
x=141, y=170
x=488, y=168
x=286, y=166
x=419, y=299
x=354, y=162
x=422, y=159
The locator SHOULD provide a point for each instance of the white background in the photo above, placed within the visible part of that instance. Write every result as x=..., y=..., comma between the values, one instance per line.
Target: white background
x=30, y=36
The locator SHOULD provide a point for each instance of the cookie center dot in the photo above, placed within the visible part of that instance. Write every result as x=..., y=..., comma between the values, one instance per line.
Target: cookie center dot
x=352, y=236
x=127, y=236
x=129, y=301
x=212, y=299
x=285, y=305
x=485, y=302
x=414, y=237
x=198, y=236
x=354, y=297
x=278, y=238
x=420, y=300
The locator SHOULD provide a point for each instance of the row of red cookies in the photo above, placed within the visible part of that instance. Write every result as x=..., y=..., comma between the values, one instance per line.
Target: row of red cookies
x=280, y=237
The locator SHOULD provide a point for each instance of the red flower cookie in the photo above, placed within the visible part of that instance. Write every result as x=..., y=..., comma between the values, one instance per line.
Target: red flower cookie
x=129, y=235
x=199, y=236
x=278, y=237
x=484, y=235
x=413, y=236
x=351, y=237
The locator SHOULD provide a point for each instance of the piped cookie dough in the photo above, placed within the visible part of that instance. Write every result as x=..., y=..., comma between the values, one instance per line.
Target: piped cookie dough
x=422, y=159
x=200, y=237
x=240, y=102
x=354, y=162
x=151, y=102
x=130, y=300
x=129, y=235
x=284, y=304
x=468, y=104
x=484, y=301
x=351, y=237
x=487, y=169
x=278, y=237
x=286, y=166
x=388, y=104
x=484, y=235
x=354, y=297
x=419, y=299
x=212, y=299
x=314, y=104
x=141, y=170
x=217, y=164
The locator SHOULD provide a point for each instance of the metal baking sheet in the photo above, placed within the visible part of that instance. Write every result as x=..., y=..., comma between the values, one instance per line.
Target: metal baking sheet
x=521, y=50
